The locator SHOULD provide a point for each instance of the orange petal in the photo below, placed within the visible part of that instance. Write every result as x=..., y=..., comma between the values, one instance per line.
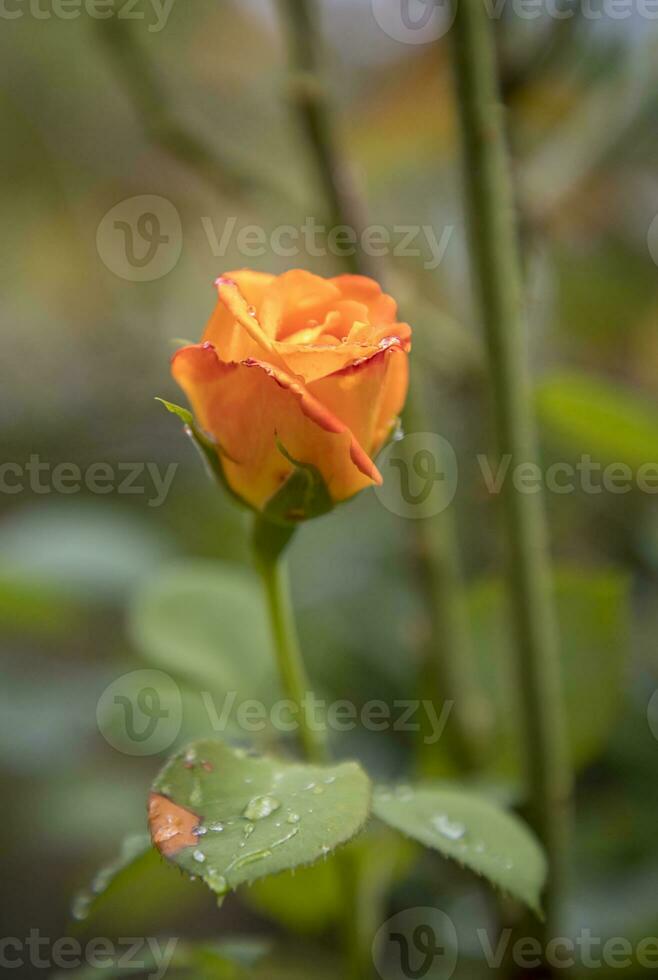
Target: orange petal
x=297, y=299
x=247, y=406
x=393, y=397
x=370, y=334
x=314, y=361
x=381, y=307
x=234, y=328
x=366, y=393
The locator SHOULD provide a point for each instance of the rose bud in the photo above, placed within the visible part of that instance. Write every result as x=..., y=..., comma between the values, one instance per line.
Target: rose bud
x=297, y=384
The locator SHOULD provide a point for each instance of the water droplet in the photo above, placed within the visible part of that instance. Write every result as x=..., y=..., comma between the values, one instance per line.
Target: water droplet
x=329, y=780
x=260, y=807
x=101, y=881
x=448, y=828
x=216, y=827
x=216, y=881
x=251, y=310
x=248, y=829
x=81, y=904
x=199, y=830
x=293, y=818
x=318, y=790
x=199, y=856
x=196, y=795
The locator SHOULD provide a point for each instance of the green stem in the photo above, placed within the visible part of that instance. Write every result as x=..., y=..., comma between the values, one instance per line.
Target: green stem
x=270, y=541
x=496, y=265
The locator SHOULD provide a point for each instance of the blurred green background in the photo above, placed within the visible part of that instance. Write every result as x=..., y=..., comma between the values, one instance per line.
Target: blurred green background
x=91, y=112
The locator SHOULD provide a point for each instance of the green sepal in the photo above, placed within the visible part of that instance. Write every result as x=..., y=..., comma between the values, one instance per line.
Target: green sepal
x=210, y=452
x=304, y=494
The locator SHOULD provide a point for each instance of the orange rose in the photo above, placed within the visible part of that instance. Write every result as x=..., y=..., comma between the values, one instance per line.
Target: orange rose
x=295, y=371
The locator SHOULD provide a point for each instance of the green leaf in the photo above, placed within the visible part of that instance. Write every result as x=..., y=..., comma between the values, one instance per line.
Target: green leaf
x=258, y=816
x=91, y=553
x=206, y=622
x=136, y=851
x=610, y=423
x=593, y=617
x=471, y=830
x=303, y=496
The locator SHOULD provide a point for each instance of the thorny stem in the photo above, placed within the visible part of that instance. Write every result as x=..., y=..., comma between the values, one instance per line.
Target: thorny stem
x=496, y=268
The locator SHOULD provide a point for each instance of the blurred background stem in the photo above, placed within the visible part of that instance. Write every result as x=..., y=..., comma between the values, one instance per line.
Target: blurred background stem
x=447, y=664
x=311, y=103
x=496, y=269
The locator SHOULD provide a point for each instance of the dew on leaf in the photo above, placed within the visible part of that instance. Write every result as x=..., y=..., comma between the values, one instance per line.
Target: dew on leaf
x=260, y=807
x=448, y=828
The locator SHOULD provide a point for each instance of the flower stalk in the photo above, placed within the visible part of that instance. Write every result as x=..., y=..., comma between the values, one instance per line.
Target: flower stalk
x=497, y=271
x=270, y=542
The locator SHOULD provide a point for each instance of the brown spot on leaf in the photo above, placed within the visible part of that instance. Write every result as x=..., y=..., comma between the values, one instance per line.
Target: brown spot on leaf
x=208, y=766
x=171, y=826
